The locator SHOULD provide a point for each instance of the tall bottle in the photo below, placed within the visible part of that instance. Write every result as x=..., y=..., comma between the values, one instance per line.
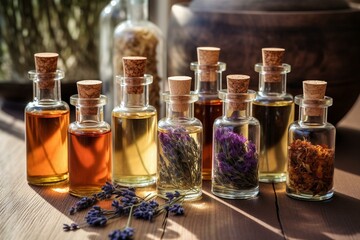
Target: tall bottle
x=46, y=122
x=89, y=141
x=137, y=36
x=311, y=150
x=134, y=123
x=208, y=76
x=110, y=17
x=180, y=142
x=274, y=108
x=236, y=143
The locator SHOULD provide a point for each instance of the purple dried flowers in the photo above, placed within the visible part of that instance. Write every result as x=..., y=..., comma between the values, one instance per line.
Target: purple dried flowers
x=180, y=160
x=236, y=160
x=125, y=234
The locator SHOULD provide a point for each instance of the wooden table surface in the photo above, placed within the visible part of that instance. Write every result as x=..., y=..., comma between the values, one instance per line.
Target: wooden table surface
x=29, y=212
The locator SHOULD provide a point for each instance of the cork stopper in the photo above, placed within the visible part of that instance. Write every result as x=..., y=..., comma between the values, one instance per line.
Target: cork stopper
x=237, y=84
x=46, y=65
x=272, y=58
x=314, y=90
x=179, y=86
x=89, y=89
x=134, y=70
x=208, y=57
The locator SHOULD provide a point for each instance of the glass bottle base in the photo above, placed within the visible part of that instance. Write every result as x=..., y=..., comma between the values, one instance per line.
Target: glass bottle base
x=84, y=191
x=272, y=177
x=47, y=181
x=137, y=181
x=190, y=195
x=228, y=193
x=308, y=197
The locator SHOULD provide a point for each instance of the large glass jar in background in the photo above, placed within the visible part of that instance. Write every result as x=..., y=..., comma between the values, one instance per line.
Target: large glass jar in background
x=110, y=17
x=139, y=37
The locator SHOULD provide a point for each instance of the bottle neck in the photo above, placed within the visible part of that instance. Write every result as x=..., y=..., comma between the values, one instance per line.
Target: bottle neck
x=89, y=110
x=208, y=78
x=46, y=86
x=237, y=106
x=313, y=115
x=134, y=91
x=179, y=111
x=137, y=10
x=272, y=79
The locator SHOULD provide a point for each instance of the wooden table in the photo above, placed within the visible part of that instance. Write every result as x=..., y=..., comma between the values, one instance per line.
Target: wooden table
x=29, y=212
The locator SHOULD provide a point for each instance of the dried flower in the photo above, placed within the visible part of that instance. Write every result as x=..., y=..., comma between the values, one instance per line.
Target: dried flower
x=311, y=168
x=236, y=160
x=180, y=160
x=125, y=234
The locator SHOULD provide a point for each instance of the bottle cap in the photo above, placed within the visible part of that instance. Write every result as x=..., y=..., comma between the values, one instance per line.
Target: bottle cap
x=208, y=57
x=134, y=70
x=179, y=86
x=314, y=90
x=89, y=89
x=237, y=83
x=272, y=58
x=46, y=65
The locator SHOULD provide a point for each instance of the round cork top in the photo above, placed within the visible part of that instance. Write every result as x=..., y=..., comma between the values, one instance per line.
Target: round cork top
x=272, y=56
x=314, y=89
x=208, y=55
x=46, y=62
x=179, y=85
x=89, y=88
x=237, y=83
x=134, y=66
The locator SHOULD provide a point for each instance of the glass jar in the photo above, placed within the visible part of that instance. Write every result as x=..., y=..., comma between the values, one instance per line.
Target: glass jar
x=134, y=123
x=137, y=36
x=311, y=152
x=89, y=147
x=236, y=141
x=46, y=121
x=180, y=137
x=274, y=108
x=110, y=17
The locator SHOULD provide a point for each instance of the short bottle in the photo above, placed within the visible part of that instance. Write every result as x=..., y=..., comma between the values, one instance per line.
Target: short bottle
x=274, y=108
x=236, y=142
x=134, y=124
x=180, y=142
x=311, y=150
x=89, y=141
x=46, y=122
x=208, y=77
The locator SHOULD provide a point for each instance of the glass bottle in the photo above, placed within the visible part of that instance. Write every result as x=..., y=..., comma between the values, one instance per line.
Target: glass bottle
x=137, y=36
x=110, y=17
x=180, y=146
x=274, y=108
x=235, y=151
x=46, y=122
x=89, y=143
x=134, y=123
x=208, y=78
x=311, y=151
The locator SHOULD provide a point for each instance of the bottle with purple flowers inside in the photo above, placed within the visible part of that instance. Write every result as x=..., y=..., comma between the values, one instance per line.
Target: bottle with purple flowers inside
x=236, y=140
x=180, y=142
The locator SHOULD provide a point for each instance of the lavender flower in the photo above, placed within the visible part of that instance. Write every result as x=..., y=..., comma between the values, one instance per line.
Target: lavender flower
x=82, y=204
x=180, y=159
x=177, y=209
x=125, y=234
x=71, y=227
x=236, y=160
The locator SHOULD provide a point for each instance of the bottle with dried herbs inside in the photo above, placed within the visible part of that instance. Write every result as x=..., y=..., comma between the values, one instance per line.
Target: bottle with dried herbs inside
x=311, y=150
x=134, y=123
x=208, y=76
x=274, y=108
x=89, y=141
x=236, y=142
x=46, y=122
x=180, y=142
x=137, y=36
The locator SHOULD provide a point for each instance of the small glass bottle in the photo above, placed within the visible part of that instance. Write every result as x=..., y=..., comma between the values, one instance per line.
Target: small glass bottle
x=134, y=123
x=311, y=150
x=208, y=78
x=110, y=17
x=180, y=142
x=46, y=122
x=137, y=36
x=274, y=108
x=236, y=142
x=89, y=141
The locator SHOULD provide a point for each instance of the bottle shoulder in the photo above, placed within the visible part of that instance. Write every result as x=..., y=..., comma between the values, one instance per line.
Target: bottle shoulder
x=272, y=98
x=299, y=125
x=140, y=27
x=236, y=122
x=179, y=122
x=89, y=127
x=46, y=106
